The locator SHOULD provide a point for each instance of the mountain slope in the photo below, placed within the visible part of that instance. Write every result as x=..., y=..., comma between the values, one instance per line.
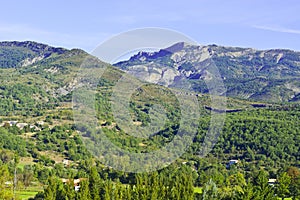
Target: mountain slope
x=269, y=75
x=18, y=54
x=35, y=76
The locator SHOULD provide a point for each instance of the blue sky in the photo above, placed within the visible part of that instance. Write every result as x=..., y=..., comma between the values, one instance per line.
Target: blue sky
x=85, y=24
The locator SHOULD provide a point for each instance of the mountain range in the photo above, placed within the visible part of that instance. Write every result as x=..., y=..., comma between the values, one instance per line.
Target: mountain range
x=256, y=75
x=259, y=75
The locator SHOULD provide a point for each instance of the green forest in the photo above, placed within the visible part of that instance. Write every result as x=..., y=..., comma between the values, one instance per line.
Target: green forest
x=263, y=140
x=44, y=154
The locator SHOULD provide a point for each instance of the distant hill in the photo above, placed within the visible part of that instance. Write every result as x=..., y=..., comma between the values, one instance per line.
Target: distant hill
x=49, y=73
x=260, y=75
x=17, y=54
x=36, y=76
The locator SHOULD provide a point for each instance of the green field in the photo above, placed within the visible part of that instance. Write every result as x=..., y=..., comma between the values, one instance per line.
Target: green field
x=25, y=194
x=198, y=190
x=28, y=193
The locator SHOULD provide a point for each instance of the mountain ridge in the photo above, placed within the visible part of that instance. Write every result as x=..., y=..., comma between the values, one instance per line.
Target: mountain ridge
x=17, y=54
x=259, y=75
x=264, y=70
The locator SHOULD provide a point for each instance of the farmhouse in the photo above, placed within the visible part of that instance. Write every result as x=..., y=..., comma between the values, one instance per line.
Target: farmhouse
x=232, y=162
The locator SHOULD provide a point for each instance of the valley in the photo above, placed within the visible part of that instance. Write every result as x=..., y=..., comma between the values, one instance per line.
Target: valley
x=40, y=143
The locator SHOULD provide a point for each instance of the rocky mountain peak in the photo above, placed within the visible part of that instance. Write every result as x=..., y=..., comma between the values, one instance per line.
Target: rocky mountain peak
x=25, y=53
x=176, y=47
x=247, y=73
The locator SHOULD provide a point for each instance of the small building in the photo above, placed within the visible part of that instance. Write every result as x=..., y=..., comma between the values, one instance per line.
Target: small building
x=66, y=162
x=34, y=127
x=77, y=187
x=272, y=181
x=12, y=123
x=64, y=180
x=8, y=183
x=40, y=123
x=75, y=181
x=21, y=125
x=232, y=162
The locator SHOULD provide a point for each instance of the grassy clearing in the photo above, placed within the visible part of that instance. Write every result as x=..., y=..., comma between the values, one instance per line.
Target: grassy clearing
x=24, y=194
x=198, y=190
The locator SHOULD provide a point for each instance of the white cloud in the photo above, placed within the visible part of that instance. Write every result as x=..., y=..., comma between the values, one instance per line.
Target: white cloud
x=277, y=29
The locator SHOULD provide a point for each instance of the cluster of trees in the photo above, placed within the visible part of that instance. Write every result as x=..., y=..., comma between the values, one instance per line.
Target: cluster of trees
x=12, y=176
x=236, y=186
x=260, y=137
x=10, y=141
x=62, y=139
x=263, y=137
x=12, y=57
x=25, y=99
x=175, y=183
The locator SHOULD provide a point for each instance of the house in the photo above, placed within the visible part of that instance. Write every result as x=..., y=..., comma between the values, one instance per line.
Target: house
x=64, y=180
x=21, y=125
x=8, y=123
x=12, y=123
x=75, y=181
x=272, y=181
x=77, y=187
x=40, y=123
x=8, y=183
x=66, y=162
x=34, y=127
x=232, y=162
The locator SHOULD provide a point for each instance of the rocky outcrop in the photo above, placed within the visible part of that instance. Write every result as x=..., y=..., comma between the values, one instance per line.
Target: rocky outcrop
x=270, y=75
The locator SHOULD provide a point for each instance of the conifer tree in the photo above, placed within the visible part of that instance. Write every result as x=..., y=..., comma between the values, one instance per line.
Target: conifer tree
x=282, y=186
x=50, y=191
x=94, y=184
x=83, y=193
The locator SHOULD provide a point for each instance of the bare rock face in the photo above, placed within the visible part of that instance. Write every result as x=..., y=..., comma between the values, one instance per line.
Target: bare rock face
x=271, y=75
x=28, y=61
x=154, y=74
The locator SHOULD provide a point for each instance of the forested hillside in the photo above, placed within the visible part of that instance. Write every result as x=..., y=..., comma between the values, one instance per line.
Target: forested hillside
x=43, y=153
